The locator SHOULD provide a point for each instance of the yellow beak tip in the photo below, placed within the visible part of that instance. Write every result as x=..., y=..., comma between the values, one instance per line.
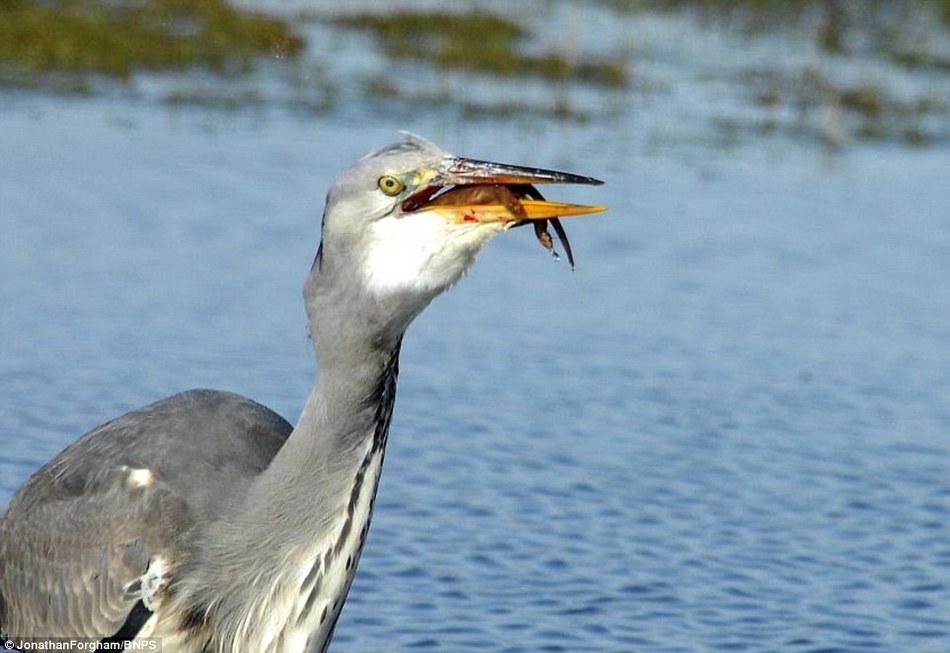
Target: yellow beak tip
x=532, y=210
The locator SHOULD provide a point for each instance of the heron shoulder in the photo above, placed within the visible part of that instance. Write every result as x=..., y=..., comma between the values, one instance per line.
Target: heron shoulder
x=121, y=504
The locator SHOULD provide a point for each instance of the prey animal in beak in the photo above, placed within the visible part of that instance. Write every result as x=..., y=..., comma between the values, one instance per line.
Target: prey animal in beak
x=471, y=191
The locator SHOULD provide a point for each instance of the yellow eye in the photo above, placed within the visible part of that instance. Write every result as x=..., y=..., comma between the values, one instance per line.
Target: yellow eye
x=390, y=185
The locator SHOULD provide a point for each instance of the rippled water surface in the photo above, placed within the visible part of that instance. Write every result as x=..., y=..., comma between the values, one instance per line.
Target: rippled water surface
x=727, y=430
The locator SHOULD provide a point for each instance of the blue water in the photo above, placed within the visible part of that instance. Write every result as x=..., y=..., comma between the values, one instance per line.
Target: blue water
x=728, y=430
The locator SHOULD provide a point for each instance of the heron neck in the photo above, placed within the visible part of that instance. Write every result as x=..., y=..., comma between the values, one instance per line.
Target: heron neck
x=348, y=411
x=346, y=418
x=301, y=526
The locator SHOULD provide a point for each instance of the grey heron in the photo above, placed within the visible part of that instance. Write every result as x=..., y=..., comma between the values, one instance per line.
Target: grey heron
x=208, y=520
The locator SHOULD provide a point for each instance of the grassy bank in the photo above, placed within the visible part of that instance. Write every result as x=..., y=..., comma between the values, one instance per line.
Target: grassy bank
x=480, y=42
x=445, y=60
x=40, y=41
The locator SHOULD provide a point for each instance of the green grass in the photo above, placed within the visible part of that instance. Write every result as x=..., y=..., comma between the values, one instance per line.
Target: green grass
x=479, y=42
x=118, y=38
x=943, y=7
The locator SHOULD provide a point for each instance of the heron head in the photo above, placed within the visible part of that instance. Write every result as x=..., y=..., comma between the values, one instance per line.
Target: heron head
x=401, y=222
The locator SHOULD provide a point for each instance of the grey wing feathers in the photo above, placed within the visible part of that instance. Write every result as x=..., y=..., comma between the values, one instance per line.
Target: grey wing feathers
x=68, y=558
x=102, y=525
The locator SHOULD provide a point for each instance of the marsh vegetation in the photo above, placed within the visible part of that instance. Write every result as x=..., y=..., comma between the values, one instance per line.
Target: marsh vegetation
x=224, y=56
